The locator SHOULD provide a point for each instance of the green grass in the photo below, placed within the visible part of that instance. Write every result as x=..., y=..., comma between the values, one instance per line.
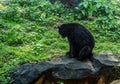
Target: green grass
x=41, y=43
x=29, y=36
x=112, y=47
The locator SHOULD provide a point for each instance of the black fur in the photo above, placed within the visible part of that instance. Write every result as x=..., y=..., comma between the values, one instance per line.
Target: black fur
x=80, y=40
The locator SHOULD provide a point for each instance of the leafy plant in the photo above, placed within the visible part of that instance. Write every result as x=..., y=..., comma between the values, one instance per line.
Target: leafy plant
x=95, y=8
x=28, y=30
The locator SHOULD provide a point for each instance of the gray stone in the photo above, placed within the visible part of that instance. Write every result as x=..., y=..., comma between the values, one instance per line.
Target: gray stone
x=64, y=68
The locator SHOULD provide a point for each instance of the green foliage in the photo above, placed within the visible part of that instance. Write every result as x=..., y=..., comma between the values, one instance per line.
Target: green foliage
x=95, y=8
x=28, y=30
x=103, y=11
x=59, y=82
x=11, y=13
x=108, y=26
x=41, y=11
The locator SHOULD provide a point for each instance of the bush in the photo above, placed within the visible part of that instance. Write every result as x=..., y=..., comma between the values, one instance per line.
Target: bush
x=94, y=8
x=28, y=34
x=103, y=14
x=41, y=11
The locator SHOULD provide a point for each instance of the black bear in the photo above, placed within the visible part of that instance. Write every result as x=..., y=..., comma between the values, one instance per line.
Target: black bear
x=80, y=39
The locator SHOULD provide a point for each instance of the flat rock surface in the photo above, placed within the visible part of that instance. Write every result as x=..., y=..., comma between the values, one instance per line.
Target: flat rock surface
x=115, y=82
x=63, y=68
x=108, y=59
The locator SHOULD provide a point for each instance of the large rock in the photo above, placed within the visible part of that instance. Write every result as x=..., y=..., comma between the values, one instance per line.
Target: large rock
x=67, y=70
x=116, y=82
